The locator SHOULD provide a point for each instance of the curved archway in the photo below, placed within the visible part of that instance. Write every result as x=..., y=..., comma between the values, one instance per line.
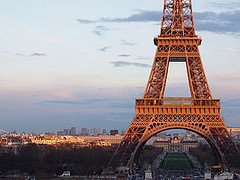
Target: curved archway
x=141, y=144
x=144, y=126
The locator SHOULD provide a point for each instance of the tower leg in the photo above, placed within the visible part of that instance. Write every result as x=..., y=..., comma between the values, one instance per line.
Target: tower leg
x=144, y=126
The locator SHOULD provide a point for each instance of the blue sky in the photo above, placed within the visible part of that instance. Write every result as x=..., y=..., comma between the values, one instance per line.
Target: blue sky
x=82, y=63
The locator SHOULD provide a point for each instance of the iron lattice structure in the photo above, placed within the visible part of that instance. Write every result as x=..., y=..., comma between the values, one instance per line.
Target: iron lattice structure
x=154, y=113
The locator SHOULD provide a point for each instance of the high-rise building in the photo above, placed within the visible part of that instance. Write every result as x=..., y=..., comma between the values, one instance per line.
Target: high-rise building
x=114, y=132
x=94, y=131
x=85, y=132
x=104, y=132
x=100, y=131
x=66, y=131
x=97, y=131
x=72, y=131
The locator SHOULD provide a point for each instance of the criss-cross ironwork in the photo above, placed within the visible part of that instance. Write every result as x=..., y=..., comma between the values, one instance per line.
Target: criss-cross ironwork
x=200, y=113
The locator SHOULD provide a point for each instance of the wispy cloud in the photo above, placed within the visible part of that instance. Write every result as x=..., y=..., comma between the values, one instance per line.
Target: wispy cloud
x=33, y=54
x=100, y=30
x=223, y=22
x=125, y=63
x=104, y=49
x=205, y=21
x=123, y=55
x=38, y=54
x=124, y=42
x=141, y=16
x=77, y=102
x=61, y=102
x=85, y=21
x=19, y=54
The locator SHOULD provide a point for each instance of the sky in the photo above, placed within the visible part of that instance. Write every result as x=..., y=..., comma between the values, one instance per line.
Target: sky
x=81, y=63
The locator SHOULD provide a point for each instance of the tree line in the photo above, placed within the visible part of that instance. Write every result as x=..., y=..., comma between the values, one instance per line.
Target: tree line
x=41, y=160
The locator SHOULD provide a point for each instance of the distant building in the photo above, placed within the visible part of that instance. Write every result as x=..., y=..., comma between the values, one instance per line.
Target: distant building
x=235, y=132
x=66, y=131
x=72, y=131
x=47, y=133
x=104, y=132
x=85, y=132
x=60, y=133
x=114, y=132
x=100, y=131
x=14, y=132
x=112, y=139
x=97, y=131
x=175, y=144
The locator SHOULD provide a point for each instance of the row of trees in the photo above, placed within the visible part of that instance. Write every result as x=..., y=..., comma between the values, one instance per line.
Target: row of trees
x=47, y=160
x=42, y=160
x=204, y=154
x=206, y=157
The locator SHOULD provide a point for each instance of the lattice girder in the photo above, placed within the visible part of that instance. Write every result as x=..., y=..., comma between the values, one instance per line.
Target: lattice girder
x=154, y=113
x=178, y=50
x=210, y=126
x=177, y=20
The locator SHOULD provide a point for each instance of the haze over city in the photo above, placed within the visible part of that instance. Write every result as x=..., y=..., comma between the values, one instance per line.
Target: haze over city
x=82, y=63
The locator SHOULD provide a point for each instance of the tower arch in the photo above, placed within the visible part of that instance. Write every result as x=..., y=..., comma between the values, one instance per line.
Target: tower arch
x=140, y=146
x=177, y=42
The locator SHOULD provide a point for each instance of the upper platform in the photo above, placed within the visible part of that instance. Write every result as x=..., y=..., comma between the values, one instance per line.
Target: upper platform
x=178, y=102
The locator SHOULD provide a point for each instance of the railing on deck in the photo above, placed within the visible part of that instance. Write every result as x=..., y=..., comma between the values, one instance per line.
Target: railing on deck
x=177, y=102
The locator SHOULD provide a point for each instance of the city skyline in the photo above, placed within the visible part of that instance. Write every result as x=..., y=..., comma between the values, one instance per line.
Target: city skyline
x=82, y=64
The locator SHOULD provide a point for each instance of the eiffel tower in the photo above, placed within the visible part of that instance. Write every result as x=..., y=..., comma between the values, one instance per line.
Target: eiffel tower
x=154, y=113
